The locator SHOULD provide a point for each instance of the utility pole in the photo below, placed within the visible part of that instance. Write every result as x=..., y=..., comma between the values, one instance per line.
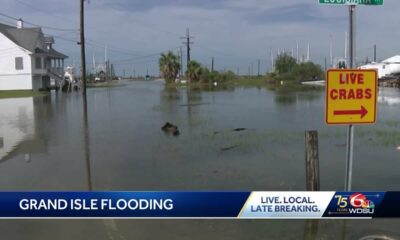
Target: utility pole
x=375, y=53
x=345, y=47
x=105, y=53
x=258, y=68
x=82, y=43
x=212, y=64
x=297, y=54
x=181, y=60
x=188, y=42
x=331, y=49
x=326, y=67
x=272, y=62
x=180, y=66
x=94, y=64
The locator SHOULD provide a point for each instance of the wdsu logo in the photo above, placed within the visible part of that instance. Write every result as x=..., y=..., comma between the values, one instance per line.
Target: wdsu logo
x=356, y=203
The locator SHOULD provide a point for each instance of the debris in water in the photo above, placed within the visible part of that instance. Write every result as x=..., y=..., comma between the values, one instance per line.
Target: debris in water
x=341, y=145
x=193, y=104
x=229, y=148
x=234, y=130
x=398, y=148
x=170, y=128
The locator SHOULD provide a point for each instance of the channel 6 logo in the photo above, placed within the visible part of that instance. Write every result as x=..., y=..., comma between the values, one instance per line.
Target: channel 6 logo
x=357, y=203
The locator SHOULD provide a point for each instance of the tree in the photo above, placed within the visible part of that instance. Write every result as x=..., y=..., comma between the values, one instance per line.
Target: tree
x=284, y=63
x=226, y=76
x=169, y=66
x=194, y=71
x=205, y=75
x=307, y=71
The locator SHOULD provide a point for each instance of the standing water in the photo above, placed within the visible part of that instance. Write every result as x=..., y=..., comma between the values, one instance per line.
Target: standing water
x=243, y=139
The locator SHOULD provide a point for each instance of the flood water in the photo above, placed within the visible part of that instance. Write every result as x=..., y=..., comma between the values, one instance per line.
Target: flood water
x=46, y=145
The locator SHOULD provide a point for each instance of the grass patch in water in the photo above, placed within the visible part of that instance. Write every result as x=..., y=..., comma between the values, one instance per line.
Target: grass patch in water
x=105, y=85
x=21, y=94
x=391, y=123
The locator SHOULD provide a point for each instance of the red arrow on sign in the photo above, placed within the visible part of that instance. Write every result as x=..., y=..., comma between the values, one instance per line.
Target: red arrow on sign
x=362, y=112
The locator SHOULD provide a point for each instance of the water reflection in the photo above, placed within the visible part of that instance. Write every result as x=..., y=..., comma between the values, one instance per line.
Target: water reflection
x=19, y=128
x=86, y=135
x=389, y=96
x=292, y=97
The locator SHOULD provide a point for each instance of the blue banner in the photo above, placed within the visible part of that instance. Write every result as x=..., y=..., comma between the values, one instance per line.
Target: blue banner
x=227, y=205
x=122, y=204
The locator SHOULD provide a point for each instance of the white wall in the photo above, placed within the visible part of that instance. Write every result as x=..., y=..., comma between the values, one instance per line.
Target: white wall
x=10, y=78
x=16, y=82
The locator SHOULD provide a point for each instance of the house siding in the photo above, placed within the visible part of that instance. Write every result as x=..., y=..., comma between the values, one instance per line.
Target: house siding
x=10, y=78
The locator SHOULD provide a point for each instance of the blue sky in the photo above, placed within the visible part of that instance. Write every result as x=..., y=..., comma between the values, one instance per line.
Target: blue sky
x=236, y=32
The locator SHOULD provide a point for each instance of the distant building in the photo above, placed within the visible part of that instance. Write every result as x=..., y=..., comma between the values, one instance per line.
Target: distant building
x=27, y=59
x=386, y=68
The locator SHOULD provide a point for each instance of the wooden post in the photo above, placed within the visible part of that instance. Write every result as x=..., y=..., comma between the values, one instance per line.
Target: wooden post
x=311, y=230
x=312, y=161
x=312, y=178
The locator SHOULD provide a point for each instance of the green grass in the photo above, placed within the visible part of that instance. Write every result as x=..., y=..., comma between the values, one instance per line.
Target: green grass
x=105, y=85
x=21, y=94
x=250, y=82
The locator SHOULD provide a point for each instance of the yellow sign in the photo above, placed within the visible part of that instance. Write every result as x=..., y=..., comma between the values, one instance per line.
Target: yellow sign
x=351, y=96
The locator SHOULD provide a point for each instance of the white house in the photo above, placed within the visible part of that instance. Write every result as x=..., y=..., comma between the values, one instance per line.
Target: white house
x=27, y=58
x=390, y=66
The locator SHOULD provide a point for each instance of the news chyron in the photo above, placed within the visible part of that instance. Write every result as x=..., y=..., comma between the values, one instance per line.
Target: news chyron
x=199, y=205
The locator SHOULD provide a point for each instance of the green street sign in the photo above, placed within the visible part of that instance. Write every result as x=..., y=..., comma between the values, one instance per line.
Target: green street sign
x=352, y=2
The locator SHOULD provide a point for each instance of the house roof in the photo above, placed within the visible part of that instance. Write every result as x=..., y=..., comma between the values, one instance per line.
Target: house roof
x=31, y=39
x=56, y=54
x=394, y=59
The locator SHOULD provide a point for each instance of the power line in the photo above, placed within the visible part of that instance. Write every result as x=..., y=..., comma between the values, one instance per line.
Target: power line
x=145, y=56
x=8, y=22
x=41, y=26
x=146, y=24
x=32, y=7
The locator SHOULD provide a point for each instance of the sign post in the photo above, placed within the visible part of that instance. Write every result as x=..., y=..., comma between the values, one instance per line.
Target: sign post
x=350, y=131
x=360, y=90
x=352, y=2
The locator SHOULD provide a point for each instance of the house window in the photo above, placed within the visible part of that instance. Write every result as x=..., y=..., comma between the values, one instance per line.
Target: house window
x=38, y=63
x=19, y=63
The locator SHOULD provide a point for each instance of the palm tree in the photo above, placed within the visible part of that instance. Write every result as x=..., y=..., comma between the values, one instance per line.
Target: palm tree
x=194, y=71
x=169, y=66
